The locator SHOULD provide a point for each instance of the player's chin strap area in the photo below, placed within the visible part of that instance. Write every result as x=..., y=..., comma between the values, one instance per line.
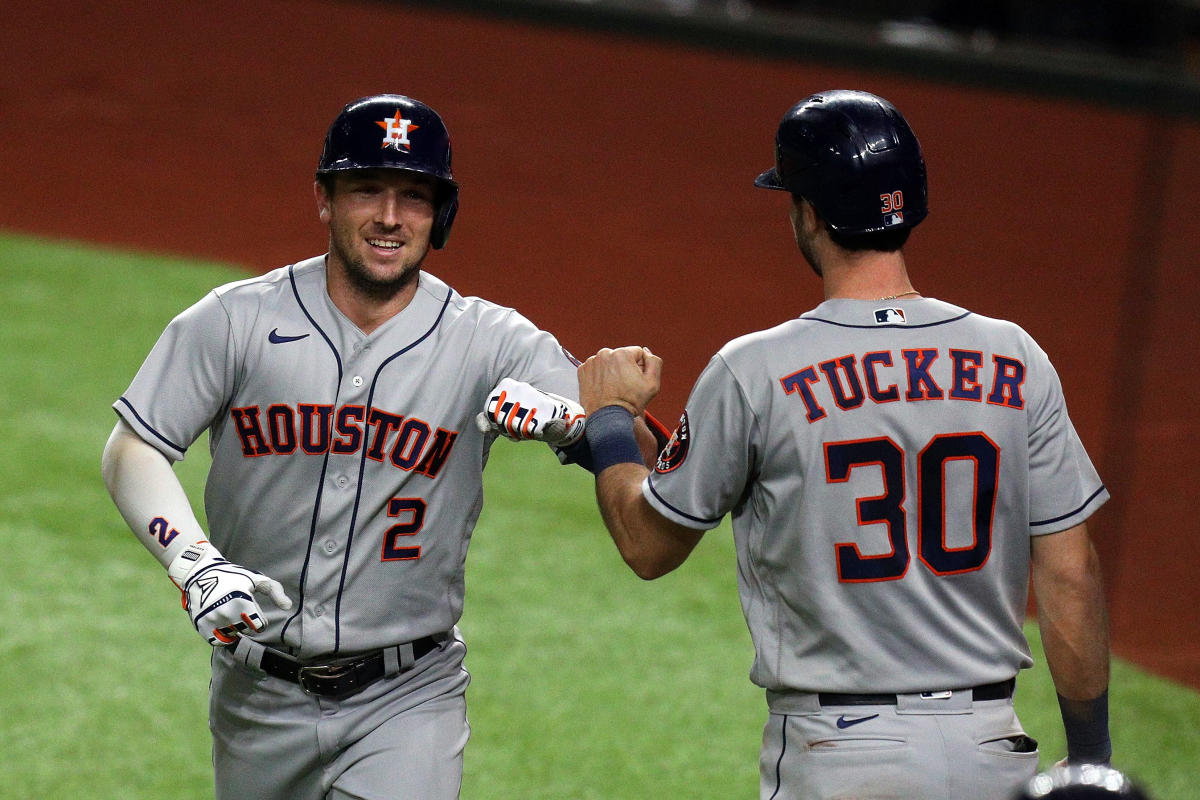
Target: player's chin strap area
x=340, y=678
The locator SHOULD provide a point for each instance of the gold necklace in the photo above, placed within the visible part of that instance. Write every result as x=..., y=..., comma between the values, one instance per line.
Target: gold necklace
x=902, y=294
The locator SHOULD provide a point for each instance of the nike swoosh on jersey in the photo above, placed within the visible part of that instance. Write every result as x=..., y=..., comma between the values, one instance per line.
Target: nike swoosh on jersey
x=844, y=723
x=275, y=337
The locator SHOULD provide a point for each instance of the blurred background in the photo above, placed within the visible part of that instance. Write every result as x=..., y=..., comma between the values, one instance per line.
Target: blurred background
x=1109, y=49
x=606, y=150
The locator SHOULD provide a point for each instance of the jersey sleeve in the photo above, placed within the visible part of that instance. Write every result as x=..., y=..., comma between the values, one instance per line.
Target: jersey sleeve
x=527, y=353
x=1064, y=487
x=703, y=472
x=185, y=381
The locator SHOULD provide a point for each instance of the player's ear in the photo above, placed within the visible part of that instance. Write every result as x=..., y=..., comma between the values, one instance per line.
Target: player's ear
x=323, y=201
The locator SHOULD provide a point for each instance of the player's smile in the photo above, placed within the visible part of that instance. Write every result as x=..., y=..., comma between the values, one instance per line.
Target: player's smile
x=386, y=247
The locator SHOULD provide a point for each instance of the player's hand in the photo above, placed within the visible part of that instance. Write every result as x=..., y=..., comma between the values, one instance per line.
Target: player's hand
x=522, y=412
x=627, y=376
x=219, y=596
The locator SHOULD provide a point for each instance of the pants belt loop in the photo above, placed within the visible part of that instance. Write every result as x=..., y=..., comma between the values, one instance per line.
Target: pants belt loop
x=405, y=654
x=791, y=702
x=391, y=662
x=249, y=652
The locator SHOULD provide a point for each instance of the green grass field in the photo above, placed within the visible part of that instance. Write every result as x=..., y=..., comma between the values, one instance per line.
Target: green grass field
x=588, y=683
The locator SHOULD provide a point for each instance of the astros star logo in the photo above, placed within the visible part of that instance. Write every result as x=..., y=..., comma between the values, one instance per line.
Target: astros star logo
x=396, y=131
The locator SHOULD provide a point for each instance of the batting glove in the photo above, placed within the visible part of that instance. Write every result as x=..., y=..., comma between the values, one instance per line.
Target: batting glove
x=219, y=596
x=521, y=412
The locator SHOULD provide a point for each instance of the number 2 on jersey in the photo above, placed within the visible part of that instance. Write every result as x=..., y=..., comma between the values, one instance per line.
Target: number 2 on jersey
x=412, y=511
x=888, y=508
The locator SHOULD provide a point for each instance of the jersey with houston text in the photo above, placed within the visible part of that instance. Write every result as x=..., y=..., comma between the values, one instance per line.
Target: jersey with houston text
x=346, y=466
x=885, y=464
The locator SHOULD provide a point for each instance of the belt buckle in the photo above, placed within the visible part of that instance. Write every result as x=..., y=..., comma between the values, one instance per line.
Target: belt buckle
x=313, y=676
x=942, y=695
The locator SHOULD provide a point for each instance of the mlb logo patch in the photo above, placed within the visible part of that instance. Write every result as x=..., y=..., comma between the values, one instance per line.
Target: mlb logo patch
x=891, y=220
x=890, y=316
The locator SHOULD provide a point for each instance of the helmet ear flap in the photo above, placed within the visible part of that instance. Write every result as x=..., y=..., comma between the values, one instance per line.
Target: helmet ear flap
x=442, y=220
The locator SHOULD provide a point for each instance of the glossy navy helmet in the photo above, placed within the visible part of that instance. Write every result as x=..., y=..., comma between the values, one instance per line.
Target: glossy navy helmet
x=391, y=131
x=854, y=157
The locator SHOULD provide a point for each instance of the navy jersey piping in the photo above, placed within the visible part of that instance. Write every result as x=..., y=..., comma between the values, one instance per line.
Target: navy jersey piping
x=885, y=327
x=662, y=500
x=779, y=761
x=312, y=527
x=182, y=450
x=1061, y=517
x=362, y=461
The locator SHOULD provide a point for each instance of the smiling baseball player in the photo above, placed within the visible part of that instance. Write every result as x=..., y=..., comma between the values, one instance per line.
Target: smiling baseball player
x=340, y=394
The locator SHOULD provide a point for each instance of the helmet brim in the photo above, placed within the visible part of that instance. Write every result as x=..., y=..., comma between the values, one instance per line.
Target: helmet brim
x=770, y=180
x=348, y=165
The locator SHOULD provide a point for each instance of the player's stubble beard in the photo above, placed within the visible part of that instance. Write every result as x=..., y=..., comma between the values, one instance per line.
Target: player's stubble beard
x=805, y=240
x=806, y=243
x=810, y=255
x=367, y=285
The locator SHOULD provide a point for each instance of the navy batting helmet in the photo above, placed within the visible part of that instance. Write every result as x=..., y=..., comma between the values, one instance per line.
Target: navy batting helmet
x=1081, y=782
x=854, y=158
x=391, y=131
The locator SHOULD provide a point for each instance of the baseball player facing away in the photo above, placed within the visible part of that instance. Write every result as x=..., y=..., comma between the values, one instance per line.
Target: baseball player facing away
x=895, y=466
x=341, y=396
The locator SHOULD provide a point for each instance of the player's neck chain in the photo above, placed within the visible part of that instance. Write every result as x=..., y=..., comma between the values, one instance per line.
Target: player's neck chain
x=902, y=294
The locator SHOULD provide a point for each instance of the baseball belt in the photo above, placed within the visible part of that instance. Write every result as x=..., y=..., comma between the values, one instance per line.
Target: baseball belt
x=343, y=678
x=989, y=691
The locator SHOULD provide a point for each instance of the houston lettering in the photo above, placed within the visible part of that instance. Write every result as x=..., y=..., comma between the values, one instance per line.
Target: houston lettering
x=407, y=443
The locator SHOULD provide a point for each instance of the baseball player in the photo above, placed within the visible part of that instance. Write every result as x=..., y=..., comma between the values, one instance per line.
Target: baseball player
x=340, y=394
x=895, y=465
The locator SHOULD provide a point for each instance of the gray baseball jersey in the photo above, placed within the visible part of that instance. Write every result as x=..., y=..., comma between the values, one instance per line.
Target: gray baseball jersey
x=346, y=466
x=885, y=464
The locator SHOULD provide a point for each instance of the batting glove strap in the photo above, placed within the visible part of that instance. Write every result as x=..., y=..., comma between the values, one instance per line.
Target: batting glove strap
x=579, y=453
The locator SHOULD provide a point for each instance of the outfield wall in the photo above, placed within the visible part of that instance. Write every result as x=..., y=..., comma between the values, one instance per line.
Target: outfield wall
x=607, y=194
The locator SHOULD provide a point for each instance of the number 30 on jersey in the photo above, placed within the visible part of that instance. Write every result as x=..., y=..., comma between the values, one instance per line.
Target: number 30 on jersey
x=841, y=458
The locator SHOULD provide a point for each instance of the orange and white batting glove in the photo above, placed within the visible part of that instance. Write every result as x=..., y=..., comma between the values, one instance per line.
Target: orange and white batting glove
x=521, y=412
x=219, y=596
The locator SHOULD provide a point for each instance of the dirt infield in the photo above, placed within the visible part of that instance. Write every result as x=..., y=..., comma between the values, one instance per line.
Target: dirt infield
x=607, y=194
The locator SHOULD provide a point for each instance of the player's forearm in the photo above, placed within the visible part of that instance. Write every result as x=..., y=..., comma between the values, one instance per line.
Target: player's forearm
x=651, y=545
x=148, y=494
x=615, y=489
x=1074, y=627
x=1077, y=653
x=1071, y=612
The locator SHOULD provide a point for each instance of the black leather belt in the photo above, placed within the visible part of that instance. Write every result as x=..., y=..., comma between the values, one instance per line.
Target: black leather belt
x=989, y=691
x=337, y=679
